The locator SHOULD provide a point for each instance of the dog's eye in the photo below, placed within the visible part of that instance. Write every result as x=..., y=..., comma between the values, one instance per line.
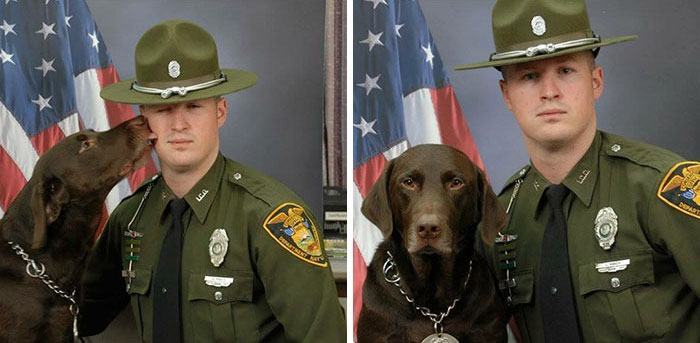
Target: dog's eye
x=85, y=145
x=408, y=183
x=456, y=183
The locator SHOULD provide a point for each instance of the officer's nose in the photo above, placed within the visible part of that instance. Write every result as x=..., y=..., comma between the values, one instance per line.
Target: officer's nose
x=179, y=119
x=549, y=87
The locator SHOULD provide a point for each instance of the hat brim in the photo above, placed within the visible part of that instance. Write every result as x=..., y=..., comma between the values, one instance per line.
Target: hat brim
x=505, y=62
x=122, y=92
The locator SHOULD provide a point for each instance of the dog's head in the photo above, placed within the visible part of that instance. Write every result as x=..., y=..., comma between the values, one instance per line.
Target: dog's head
x=432, y=198
x=83, y=168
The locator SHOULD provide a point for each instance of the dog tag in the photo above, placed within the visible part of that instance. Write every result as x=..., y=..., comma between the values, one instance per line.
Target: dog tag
x=505, y=238
x=440, y=338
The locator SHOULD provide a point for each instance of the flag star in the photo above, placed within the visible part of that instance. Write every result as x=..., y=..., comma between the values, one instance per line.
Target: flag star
x=428, y=54
x=95, y=41
x=377, y=2
x=365, y=127
x=397, y=28
x=370, y=83
x=46, y=30
x=5, y=57
x=8, y=1
x=67, y=19
x=373, y=39
x=8, y=28
x=43, y=102
x=45, y=66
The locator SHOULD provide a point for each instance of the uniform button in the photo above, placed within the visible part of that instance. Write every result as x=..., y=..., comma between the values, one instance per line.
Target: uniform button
x=164, y=290
x=218, y=296
x=615, y=282
x=237, y=176
x=553, y=290
x=615, y=147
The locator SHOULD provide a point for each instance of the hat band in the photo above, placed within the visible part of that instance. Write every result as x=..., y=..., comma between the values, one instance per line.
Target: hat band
x=182, y=91
x=543, y=49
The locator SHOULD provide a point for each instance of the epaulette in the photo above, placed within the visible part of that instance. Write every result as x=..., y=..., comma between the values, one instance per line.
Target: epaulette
x=639, y=153
x=257, y=184
x=518, y=175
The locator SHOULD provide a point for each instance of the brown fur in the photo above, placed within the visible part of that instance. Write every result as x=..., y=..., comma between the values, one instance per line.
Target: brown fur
x=54, y=218
x=428, y=203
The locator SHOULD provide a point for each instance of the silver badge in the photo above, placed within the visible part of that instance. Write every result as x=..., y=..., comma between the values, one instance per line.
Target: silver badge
x=218, y=245
x=174, y=69
x=606, y=227
x=538, y=25
x=440, y=338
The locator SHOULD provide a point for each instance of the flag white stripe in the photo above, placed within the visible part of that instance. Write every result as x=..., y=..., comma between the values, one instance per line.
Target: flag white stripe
x=69, y=125
x=366, y=235
x=396, y=150
x=16, y=143
x=420, y=118
x=91, y=107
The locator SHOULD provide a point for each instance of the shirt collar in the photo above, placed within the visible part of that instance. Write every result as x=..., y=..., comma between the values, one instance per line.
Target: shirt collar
x=201, y=196
x=581, y=180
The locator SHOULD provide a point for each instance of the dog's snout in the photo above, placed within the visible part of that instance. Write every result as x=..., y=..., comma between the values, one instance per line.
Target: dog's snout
x=429, y=227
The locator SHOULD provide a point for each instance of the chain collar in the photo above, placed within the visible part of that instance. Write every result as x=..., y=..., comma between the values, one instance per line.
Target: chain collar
x=37, y=270
x=391, y=275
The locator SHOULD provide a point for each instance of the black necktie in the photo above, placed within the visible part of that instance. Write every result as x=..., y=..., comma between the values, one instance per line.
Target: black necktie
x=166, y=283
x=555, y=292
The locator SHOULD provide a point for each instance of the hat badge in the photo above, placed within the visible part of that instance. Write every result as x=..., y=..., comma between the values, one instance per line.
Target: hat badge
x=174, y=69
x=539, y=27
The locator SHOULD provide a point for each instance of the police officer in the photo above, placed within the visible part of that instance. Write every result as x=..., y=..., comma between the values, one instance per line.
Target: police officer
x=602, y=242
x=209, y=250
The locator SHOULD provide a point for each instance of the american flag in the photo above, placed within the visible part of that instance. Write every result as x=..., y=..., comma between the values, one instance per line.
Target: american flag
x=402, y=98
x=53, y=63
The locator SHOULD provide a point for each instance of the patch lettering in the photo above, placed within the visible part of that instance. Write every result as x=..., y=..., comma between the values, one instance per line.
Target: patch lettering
x=680, y=188
x=289, y=225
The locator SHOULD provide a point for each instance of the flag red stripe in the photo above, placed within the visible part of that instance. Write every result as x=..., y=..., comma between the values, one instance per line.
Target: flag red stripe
x=359, y=274
x=367, y=174
x=454, y=130
x=12, y=179
x=47, y=138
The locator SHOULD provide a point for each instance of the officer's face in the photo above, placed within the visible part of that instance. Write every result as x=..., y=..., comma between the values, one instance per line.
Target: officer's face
x=188, y=133
x=553, y=99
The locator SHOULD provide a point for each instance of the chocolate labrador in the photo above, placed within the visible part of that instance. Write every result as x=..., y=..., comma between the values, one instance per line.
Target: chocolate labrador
x=426, y=282
x=49, y=227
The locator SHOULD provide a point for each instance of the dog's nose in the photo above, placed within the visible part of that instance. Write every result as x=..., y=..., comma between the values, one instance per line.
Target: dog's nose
x=428, y=227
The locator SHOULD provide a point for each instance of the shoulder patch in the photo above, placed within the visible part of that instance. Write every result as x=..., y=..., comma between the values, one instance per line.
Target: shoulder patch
x=680, y=188
x=292, y=228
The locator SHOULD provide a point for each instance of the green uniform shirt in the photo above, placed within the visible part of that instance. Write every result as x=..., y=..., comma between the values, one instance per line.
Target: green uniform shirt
x=657, y=295
x=282, y=289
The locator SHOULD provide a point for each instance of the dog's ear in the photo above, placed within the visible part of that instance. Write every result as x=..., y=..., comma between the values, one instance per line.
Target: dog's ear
x=376, y=206
x=493, y=217
x=48, y=198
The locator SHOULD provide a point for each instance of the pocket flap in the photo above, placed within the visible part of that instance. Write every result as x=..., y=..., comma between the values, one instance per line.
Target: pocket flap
x=522, y=292
x=241, y=289
x=639, y=271
x=141, y=282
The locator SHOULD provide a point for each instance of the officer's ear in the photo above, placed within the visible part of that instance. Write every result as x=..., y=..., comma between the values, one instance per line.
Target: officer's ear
x=221, y=110
x=376, y=206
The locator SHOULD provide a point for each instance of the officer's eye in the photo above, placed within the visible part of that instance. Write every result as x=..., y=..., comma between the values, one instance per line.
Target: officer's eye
x=529, y=76
x=566, y=70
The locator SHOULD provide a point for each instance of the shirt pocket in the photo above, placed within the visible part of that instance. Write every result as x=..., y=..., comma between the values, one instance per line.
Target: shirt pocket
x=622, y=297
x=212, y=308
x=138, y=290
